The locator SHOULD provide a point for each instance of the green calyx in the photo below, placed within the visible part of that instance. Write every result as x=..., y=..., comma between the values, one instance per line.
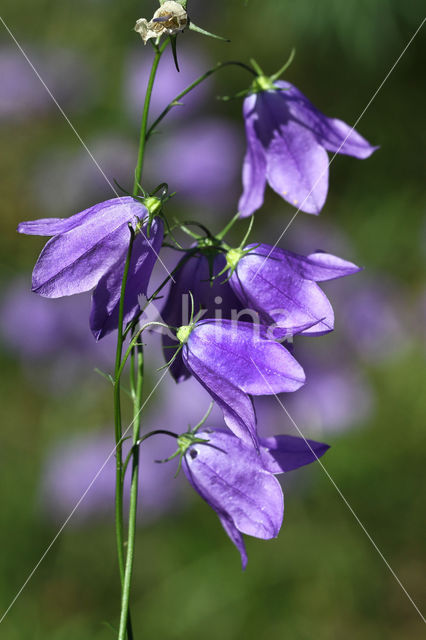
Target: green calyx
x=267, y=83
x=262, y=83
x=153, y=205
x=183, y=333
x=185, y=440
x=233, y=256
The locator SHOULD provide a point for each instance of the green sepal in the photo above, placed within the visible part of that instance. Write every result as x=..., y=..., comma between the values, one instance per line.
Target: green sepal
x=240, y=94
x=285, y=66
x=193, y=27
x=185, y=440
x=267, y=83
x=173, y=40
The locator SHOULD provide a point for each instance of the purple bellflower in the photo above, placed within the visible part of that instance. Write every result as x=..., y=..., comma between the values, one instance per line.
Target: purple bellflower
x=236, y=360
x=281, y=286
x=88, y=250
x=239, y=482
x=287, y=144
x=209, y=293
x=22, y=95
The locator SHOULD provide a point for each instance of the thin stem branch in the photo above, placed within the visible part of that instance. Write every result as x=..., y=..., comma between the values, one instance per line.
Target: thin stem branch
x=144, y=123
x=136, y=390
x=137, y=406
x=229, y=226
x=173, y=103
x=118, y=429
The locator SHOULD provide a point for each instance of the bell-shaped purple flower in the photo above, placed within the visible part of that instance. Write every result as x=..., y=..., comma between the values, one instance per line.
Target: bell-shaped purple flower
x=287, y=144
x=236, y=360
x=238, y=482
x=281, y=286
x=89, y=250
x=210, y=293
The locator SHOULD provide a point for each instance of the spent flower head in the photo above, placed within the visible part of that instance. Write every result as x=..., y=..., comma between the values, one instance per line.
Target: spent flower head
x=169, y=19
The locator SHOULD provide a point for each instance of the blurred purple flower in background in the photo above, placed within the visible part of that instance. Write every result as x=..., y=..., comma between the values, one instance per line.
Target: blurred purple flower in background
x=334, y=399
x=205, y=171
x=72, y=465
x=51, y=338
x=374, y=318
x=66, y=73
x=76, y=177
x=169, y=83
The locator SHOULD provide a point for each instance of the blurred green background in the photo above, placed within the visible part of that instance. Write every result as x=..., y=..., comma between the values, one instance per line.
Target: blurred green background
x=322, y=578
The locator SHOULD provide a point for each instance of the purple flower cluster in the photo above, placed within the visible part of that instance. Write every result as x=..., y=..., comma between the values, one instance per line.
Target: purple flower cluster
x=246, y=303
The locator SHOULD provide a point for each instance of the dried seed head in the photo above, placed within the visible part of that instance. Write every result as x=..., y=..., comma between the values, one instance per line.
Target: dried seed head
x=169, y=19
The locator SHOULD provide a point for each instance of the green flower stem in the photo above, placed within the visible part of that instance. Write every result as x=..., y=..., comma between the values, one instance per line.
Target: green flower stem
x=118, y=430
x=134, y=343
x=137, y=408
x=175, y=102
x=136, y=392
x=144, y=123
x=229, y=226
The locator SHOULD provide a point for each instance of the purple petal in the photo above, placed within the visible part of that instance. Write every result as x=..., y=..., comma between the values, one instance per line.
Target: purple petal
x=321, y=266
x=55, y=226
x=280, y=294
x=76, y=260
x=237, y=407
x=230, y=477
x=333, y=134
x=106, y=297
x=318, y=266
x=207, y=170
x=285, y=453
x=298, y=168
x=235, y=537
x=241, y=355
x=254, y=166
